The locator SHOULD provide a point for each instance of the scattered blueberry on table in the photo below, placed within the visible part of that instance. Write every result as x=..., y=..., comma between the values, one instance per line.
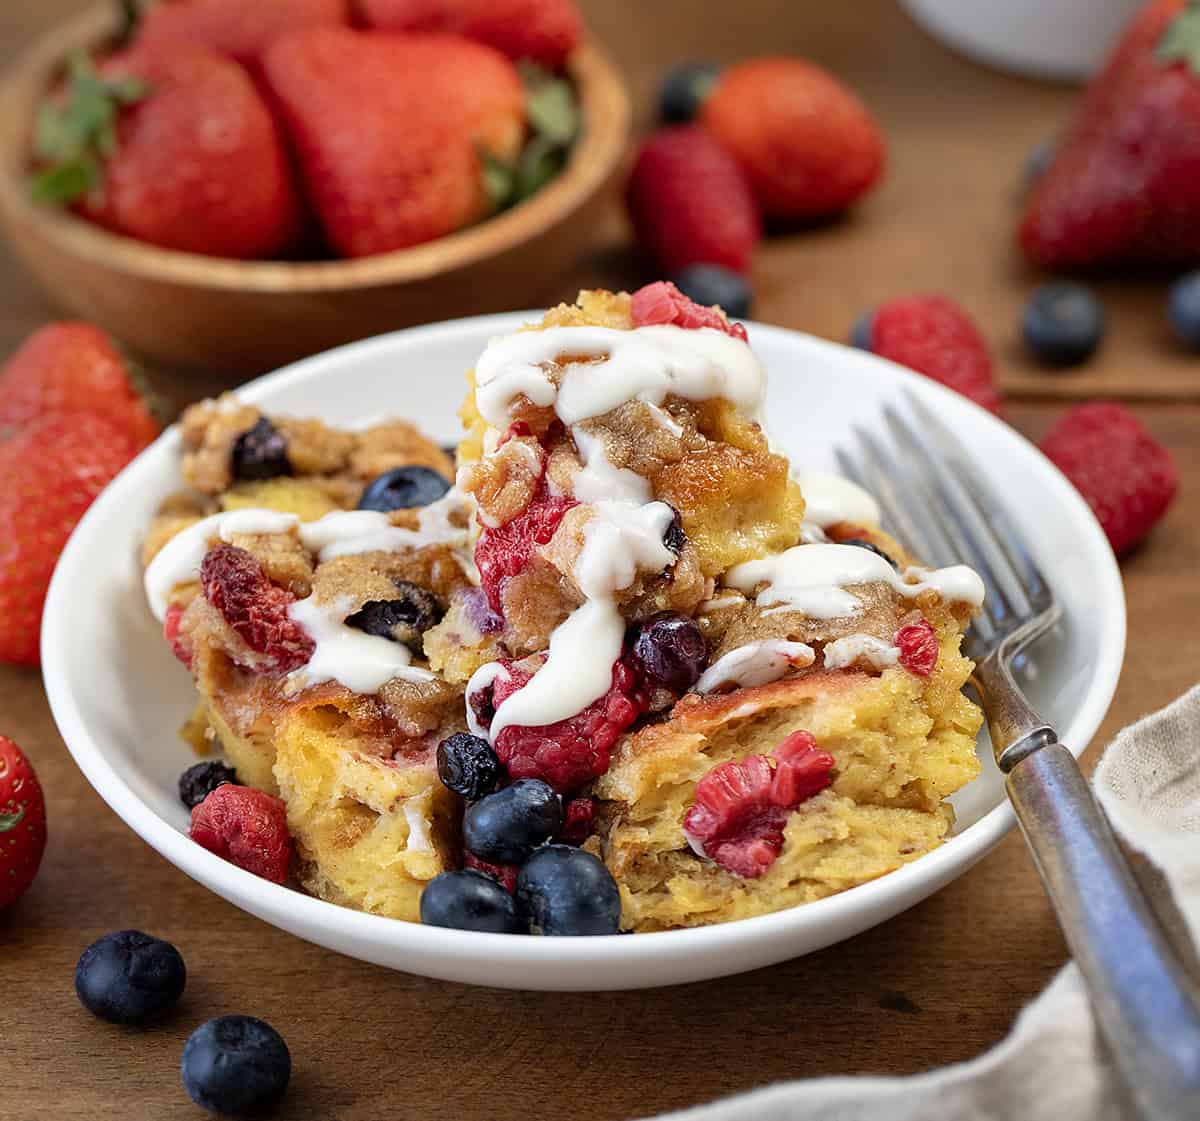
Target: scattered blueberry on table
x=1063, y=323
x=507, y=826
x=128, y=977
x=403, y=488
x=235, y=1065
x=469, y=900
x=201, y=779
x=1183, y=309
x=1040, y=157
x=860, y=333
x=715, y=284
x=563, y=890
x=468, y=765
x=684, y=90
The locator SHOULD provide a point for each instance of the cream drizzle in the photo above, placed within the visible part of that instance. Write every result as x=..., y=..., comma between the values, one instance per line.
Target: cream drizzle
x=756, y=663
x=866, y=648
x=830, y=498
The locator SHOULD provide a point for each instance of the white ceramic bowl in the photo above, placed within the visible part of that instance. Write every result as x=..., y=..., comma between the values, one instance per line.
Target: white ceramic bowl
x=118, y=696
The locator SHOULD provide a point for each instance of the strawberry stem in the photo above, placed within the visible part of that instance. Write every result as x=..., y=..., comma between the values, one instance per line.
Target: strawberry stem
x=1181, y=40
x=9, y=821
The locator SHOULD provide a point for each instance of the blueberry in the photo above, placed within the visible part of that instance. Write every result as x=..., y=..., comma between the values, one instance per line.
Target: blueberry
x=1183, y=309
x=469, y=900
x=563, y=890
x=260, y=453
x=860, y=543
x=1062, y=323
x=684, y=90
x=860, y=333
x=201, y=779
x=235, y=1065
x=669, y=651
x=468, y=765
x=403, y=619
x=715, y=284
x=507, y=826
x=129, y=977
x=675, y=538
x=1037, y=163
x=402, y=488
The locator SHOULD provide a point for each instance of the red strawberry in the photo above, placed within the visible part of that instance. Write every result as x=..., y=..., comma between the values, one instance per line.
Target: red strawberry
x=544, y=31
x=237, y=28
x=935, y=337
x=52, y=470
x=1124, y=186
x=1127, y=477
x=22, y=823
x=690, y=203
x=67, y=368
x=248, y=828
x=809, y=146
x=388, y=129
x=194, y=161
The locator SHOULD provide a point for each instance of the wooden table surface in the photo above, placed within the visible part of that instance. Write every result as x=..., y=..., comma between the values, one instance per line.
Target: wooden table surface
x=936, y=985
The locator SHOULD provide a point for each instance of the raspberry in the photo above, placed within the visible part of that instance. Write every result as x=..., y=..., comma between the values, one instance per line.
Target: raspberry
x=741, y=808
x=504, y=874
x=918, y=644
x=180, y=647
x=503, y=552
x=256, y=609
x=662, y=302
x=248, y=828
x=571, y=752
x=935, y=337
x=579, y=815
x=1126, y=476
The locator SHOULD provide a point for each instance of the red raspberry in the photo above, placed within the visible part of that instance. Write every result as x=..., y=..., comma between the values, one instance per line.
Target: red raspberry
x=503, y=552
x=504, y=874
x=579, y=815
x=935, y=337
x=1126, y=476
x=180, y=647
x=741, y=808
x=690, y=202
x=256, y=609
x=662, y=302
x=248, y=828
x=918, y=645
x=571, y=752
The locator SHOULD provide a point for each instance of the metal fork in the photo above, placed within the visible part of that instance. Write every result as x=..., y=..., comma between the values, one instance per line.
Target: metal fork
x=937, y=504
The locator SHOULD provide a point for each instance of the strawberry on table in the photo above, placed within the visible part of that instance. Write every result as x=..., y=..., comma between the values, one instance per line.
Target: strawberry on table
x=808, y=145
x=172, y=146
x=70, y=368
x=392, y=130
x=52, y=470
x=22, y=823
x=1124, y=185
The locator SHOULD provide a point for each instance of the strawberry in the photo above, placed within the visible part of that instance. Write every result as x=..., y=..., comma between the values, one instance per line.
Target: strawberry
x=72, y=367
x=173, y=147
x=935, y=337
x=22, y=823
x=1126, y=476
x=543, y=31
x=1124, y=185
x=809, y=146
x=52, y=470
x=390, y=130
x=690, y=203
x=240, y=30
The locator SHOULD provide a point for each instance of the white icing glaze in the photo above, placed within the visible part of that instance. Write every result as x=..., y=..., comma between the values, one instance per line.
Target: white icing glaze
x=178, y=561
x=756, y=663
x=853, y=648
x=622, y=539
x=362, y=662
x=367, y=531
x=482, y=678
x=644, y=364
x=416, y=813
x=812, y=579
x=599, y=478
x=665, y=419
x=812, y=534
x=830, y=498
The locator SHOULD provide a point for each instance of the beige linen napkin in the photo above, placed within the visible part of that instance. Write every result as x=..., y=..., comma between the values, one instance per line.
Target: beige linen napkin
x=1049, y=1068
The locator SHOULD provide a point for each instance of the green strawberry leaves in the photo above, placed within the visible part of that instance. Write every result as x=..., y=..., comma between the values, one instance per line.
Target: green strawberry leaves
x=73, y=136
x=1181, y=40
x=9, y=821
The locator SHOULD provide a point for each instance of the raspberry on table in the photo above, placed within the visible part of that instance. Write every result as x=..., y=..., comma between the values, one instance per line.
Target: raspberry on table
x=504, y=551
x=1126, y=476
x=248, y=828
x=742, y=807
x=255, y=608
x=918, y=646
x=663, y=303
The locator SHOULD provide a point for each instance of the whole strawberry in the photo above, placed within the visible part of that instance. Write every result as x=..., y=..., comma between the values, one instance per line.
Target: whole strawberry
x=809, y=147
x=935, y=337
x=1124, y=186
x=1127, y=477
x=22, y=823
x=52, y=470
x=72, y=367
x=543, y=31
x=173, y=147
x=391, y=130
x=690, y=203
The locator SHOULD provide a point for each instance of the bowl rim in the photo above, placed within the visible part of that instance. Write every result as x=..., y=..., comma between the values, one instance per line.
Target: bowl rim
x=338, y=927
x=597, y=154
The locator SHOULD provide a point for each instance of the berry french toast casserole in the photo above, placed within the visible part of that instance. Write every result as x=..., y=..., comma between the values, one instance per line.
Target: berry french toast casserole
x=612, y=667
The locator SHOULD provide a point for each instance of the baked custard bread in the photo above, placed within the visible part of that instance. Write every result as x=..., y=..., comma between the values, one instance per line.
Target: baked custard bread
x=630, y=672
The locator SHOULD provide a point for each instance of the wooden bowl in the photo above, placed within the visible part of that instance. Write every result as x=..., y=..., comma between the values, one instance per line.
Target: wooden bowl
x=247, y=316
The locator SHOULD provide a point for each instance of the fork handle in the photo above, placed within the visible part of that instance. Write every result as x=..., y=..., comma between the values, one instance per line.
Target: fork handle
x=1143, y=999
